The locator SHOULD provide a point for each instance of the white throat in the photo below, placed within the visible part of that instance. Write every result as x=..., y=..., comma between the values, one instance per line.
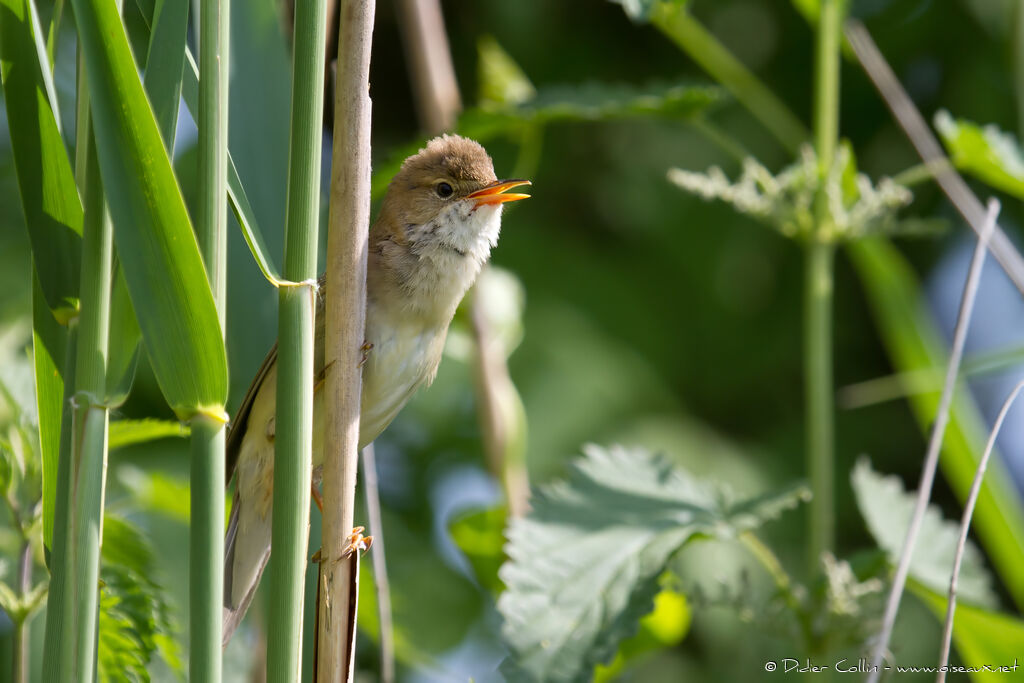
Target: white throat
x=451, y=250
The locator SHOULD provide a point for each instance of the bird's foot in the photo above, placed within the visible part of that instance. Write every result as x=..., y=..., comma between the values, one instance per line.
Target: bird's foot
x=357, y=542
x=365, y=350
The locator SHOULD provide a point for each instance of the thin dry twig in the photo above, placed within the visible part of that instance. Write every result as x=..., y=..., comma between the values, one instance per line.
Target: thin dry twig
x=380, y=565
x=965, y=524
x=348, y=228
x=914, y=125
x=931, y=461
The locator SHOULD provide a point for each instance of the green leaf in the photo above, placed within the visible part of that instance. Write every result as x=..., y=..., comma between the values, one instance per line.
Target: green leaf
x=152, y=231
x=502, y=82
x=665, y=626
x=593, y=102
x=136, y=622
x=566, y=104
x=157, y=492
x=984, y=640
x=49, y=198
x=915, y=345
x=165, y=63
x=585, y=562
x=640, y=10
x=479, y=534
x=887, y=510
x=129, y=432
x=49, y=345
x=989, y=154
x=124, y=346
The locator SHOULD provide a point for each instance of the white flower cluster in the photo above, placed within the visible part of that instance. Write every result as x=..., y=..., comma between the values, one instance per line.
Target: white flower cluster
x=786, y=201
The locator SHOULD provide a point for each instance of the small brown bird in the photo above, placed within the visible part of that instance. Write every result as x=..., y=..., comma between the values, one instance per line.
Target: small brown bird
x=438, y=223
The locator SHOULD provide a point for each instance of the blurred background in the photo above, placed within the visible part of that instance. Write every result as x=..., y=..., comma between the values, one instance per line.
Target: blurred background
x=647, y=316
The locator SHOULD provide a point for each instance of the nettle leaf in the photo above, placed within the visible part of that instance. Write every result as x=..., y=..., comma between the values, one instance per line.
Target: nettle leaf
x=135, y=614
x=887, y=508
x=986, y=152
x=584, y=564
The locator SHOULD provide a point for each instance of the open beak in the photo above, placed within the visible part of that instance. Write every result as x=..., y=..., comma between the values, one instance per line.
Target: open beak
x=495, y=192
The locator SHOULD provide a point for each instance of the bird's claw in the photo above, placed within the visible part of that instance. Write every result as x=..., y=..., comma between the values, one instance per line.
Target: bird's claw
x=365, y=350
x=357, y=542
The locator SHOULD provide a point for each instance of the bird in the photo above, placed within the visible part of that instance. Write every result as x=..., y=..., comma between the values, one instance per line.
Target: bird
x=438, y=222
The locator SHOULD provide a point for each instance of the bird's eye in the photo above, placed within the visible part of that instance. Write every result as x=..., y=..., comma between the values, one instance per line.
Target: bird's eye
x=444, y=190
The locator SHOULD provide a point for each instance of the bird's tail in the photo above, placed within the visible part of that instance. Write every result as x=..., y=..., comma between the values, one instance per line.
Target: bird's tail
x=246, y=552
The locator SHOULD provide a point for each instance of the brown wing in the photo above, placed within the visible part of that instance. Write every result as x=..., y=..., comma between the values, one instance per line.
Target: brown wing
x=234, y=442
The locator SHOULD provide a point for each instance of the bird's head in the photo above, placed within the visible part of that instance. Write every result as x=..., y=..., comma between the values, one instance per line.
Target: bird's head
x=447, y=197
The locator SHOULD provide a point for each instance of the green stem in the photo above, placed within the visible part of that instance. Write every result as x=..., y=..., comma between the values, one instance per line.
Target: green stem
x=206, y=536
x=678, y=24
x=57, y=649
x=89, y=425
x=293, y=442
x=21, y=649
x=818, y=285
x=206, y=549
x=819, y=257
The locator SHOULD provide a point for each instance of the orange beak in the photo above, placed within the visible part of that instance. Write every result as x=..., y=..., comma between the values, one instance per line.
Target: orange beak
x=495, y=193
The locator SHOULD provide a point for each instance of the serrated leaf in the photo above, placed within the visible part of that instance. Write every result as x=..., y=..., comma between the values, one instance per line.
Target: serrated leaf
x=984, y=640
x=887, y=509
x=592, y=102
x=986, y=152
x=129, y=432
x=584, y=563
x=136, y=622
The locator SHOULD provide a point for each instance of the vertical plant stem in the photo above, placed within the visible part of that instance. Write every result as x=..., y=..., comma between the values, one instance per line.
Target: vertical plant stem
x=430, y=64
x=678, y=24
x=58, y=643
x=931, y=460
x=347, y=237
x=89, y=425
x=818, y=260
x=58, y=648
x=206, y=534
x=380, y=566
x=20, y=665
x=818, y=286
x=293, y=444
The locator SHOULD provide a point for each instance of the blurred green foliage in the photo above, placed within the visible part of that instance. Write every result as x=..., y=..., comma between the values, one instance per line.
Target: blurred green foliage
x=652, y=318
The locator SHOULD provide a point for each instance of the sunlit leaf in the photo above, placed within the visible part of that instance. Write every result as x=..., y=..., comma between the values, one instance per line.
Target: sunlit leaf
x=585, y=562
x=914, y=344
x=640, y=10
x=480, y=535
x=887, y=509
x=991, y=155
x=157, y=492
x=152, y=231
x=49, y=197
x=502, y=82
x=128, y=432
x=984, y=640
x=136, y=621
